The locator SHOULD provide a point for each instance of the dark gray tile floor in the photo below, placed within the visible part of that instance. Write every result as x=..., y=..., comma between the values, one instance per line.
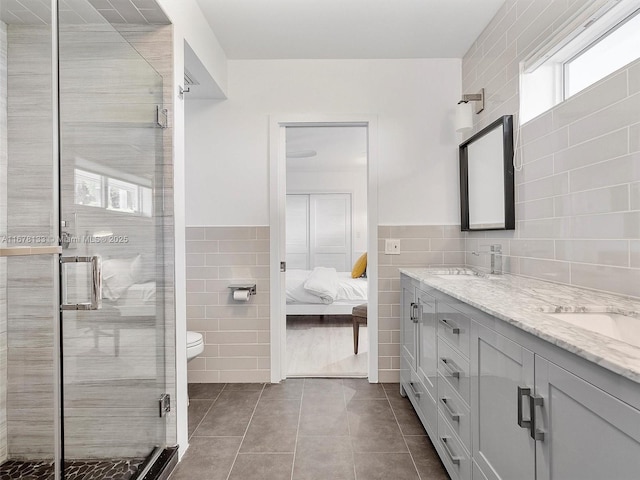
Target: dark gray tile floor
x=305, y=429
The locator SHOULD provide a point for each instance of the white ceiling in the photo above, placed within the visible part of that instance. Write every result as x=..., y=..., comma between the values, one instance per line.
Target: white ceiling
x=315, y=29
x=337, y=148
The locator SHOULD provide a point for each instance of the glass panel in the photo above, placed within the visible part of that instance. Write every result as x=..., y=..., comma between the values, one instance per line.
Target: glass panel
x=111, y=155
x=617, y=49
x=28, y=218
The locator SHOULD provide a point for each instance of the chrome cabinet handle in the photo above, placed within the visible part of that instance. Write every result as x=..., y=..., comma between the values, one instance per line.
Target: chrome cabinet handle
x=522, y=392
x=454, y=416
x=535, y=401
x=451, y=326
x=414, y=391
x=412, y=312
x=95, y=300
x=455, y=459
x=450, y=366
x=415, y=313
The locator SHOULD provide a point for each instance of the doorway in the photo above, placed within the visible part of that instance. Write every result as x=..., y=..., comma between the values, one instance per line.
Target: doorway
x=309, y=189
x=326, y=232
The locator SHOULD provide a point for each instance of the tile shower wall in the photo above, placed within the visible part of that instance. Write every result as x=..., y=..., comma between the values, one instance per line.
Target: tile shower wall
x=578, y=194
x=420, y=246
x=236, y=334
x=30, y=290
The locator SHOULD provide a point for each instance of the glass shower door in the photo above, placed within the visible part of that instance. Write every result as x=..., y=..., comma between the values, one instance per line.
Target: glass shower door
x=113, y=268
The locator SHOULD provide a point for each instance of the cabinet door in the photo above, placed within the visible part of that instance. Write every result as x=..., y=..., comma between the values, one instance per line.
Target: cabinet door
x=427, y=367
x=407, y=323
x=501, y=448
x=588, y=434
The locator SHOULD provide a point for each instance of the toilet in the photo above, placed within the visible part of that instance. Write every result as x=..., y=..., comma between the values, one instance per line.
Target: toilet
x=195, y=345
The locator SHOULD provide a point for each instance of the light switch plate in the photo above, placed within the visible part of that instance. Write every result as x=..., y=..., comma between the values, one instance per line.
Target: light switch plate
x=392, y=246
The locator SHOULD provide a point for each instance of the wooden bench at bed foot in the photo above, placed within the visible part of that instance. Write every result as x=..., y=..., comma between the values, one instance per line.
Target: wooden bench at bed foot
x=359, y=315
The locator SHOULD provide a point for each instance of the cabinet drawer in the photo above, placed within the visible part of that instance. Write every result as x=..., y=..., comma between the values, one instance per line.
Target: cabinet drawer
x=454, y=368
x=454, y=457
x=454, y=411
x=455, y=327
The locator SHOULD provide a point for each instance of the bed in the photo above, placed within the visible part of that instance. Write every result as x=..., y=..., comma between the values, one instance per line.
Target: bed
x=323, y=291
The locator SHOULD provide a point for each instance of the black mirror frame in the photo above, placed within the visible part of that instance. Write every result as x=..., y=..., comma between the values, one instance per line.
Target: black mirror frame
x=509, y=189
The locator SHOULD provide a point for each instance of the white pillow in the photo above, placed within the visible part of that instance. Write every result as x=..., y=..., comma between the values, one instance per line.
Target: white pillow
x=117, y=277
x=323, y=282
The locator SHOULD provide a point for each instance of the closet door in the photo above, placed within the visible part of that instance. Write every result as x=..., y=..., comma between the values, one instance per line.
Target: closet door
x=330, y=231
x=298, y=232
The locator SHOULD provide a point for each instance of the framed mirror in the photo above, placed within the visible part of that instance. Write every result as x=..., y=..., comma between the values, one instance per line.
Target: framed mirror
x=486, y=178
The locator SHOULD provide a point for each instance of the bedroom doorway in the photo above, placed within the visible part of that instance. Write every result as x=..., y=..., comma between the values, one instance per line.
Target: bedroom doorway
x=325, y=235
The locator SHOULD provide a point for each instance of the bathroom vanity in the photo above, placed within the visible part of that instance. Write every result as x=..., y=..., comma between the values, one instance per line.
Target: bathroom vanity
x=508, y=387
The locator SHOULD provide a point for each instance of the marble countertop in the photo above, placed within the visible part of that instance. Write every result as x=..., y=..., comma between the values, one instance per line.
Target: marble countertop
x=522, y=302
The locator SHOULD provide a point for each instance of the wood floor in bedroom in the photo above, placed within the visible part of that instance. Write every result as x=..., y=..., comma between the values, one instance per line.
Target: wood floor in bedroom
x=322, y=346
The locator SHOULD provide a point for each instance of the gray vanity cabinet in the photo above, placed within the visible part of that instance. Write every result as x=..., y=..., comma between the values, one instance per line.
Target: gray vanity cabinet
x=532, y=419
x=588, y=434
x=502, y=404
x=502, y=448
x=418, y=356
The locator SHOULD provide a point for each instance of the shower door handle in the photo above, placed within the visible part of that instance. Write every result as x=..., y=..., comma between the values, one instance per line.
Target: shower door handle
x=95, y=301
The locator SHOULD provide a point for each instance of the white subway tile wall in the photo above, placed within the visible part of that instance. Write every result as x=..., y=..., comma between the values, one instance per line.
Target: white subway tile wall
x=578, y=194
x=420, y=246
x=237, y=346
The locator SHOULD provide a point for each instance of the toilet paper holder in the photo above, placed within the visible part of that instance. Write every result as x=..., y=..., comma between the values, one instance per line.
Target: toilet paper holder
x=251, y=287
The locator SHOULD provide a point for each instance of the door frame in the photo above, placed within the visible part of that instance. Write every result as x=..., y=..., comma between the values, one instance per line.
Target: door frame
x=277, y=222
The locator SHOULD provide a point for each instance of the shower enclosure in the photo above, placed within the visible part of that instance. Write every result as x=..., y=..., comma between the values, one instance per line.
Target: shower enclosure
x=86, y=231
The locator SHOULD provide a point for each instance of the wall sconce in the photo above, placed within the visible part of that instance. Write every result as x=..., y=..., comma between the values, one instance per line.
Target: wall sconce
x=464, y=111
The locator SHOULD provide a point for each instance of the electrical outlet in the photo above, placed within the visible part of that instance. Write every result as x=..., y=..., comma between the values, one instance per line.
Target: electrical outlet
x=392, y=246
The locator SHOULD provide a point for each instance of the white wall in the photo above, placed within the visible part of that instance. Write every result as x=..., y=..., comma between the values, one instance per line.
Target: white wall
x=189, y=26
x=227, y=141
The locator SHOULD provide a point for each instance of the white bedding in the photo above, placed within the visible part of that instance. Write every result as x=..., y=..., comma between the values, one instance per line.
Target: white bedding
x=138, y=300
x=349, y=290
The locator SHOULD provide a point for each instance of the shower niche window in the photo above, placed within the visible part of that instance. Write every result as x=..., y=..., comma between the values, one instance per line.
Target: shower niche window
x=96, y=190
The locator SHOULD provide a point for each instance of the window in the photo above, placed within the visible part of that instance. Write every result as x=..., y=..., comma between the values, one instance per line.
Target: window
x=600, y=39
x=97, y=190
x=616, y=49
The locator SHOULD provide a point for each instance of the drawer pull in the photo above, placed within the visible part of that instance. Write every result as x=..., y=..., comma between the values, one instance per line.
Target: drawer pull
x=451, y=326
x=450, y=366
x=522, y=392
x=414, y=391
x=455, y=459
x=454, y=416
x=535, y=401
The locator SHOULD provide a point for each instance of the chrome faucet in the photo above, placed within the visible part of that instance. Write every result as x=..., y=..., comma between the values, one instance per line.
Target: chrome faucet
x=495, y=251
x=496, y=259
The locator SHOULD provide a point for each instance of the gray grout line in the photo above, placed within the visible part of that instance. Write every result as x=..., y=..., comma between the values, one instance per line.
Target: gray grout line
x=353, y=455
x=401, y=433
x=205, y=414
x=295, y=447
x=233, y=464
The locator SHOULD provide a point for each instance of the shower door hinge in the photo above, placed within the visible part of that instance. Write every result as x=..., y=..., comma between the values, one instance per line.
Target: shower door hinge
x=162, y=117
x=165, y=404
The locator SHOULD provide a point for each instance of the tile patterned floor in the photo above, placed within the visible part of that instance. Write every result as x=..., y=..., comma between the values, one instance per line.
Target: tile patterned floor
x=305, y=429
x=75, y=470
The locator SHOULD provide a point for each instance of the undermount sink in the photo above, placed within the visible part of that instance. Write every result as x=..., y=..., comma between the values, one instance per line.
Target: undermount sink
x=462, y=274
x=613, y=325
